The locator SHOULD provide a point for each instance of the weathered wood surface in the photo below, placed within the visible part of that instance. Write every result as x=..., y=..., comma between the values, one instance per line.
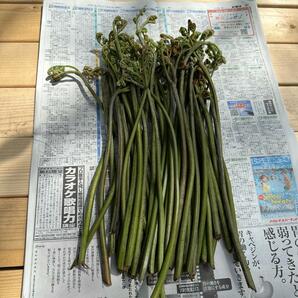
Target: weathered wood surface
x=21, y=22
x=18, y=62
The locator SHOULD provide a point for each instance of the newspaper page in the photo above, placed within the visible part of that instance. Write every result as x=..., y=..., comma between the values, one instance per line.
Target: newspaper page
x=259, y=149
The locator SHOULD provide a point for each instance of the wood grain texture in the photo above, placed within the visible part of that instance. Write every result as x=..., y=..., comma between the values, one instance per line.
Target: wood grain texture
x=18, y=62
x=278, y=3
x=13, y=212
x=12, y=231
x=10, y=283
x=15, y=158
x=22, y=1
x=280, y=25
x=16, y=112
x=284, y=58
x=290, y=97
x=21, y=22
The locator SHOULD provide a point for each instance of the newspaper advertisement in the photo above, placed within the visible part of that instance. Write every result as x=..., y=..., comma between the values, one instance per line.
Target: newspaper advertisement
x=259, y=149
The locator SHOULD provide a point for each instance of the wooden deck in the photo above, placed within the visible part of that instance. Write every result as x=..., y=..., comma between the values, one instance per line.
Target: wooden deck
x=19, y=38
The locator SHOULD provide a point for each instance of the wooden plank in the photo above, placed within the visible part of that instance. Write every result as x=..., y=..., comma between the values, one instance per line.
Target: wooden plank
x=18, y=63
x=280, y=25
x=21, y=1
x=15, y=157
x=12, y=231
x=278, y=3
x=284, y=58
x=10, y=283
x=16, y=112
x=290, y=97
x=22, y=22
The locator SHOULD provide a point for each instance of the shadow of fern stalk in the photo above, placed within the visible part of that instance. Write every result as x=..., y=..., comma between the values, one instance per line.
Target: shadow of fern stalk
x=169, y=190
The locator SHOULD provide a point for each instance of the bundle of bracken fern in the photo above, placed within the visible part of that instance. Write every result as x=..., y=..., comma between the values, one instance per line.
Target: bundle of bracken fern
x=162, y=175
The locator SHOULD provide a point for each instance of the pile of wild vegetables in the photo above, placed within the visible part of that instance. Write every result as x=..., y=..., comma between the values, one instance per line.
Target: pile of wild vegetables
x=169, y=191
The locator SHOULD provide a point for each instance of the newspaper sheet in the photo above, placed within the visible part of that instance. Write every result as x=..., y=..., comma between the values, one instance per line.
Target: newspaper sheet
x=259, y=149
